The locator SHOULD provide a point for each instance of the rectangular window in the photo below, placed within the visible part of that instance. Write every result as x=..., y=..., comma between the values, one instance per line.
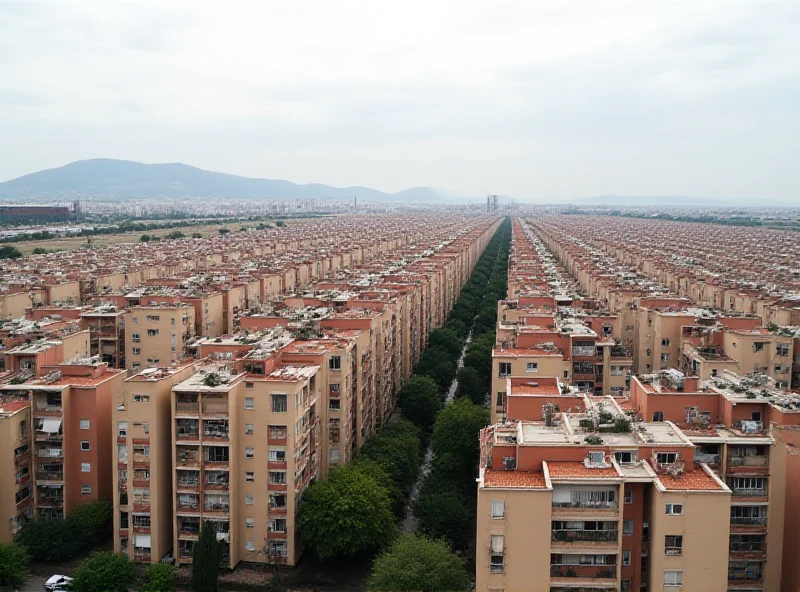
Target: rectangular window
x=673, y=578
x=277, y=477
x=249, y=385
x=279, y=404
x=334, y=455
x=334, y=404
x=249, y=452
x=85, y=445
x=86, y=467
x=249, y=429
x=674, y=510
x=86, y=489
x=249, y=522
x=627, y=527
x=249, y=403
x=626, y=457
x=276, y=432
x=141, y=398
x=626, y=558
x=335, y=363
x=673, y=544
x=137, y=351
x=665, y=342
x=504, y=370
x=658, y=416
x=758, y=346
x=153, y=318
x=497, y=550
x=666, y=458
x=84, y=424
x=277, y=501
x=277, y=455
x=135, y=337
x=501, y=397
x=532, y=367
x=249, y=499
x=152, y=332
x=277, y=525
x=628, y=496
x=498, y=508
x=249, y=476
x=782, y=349
x=249, y=546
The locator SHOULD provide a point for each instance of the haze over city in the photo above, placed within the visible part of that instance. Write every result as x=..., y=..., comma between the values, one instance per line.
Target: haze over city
x=539, y=100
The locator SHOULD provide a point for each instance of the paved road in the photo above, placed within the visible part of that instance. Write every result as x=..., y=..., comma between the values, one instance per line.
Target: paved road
x=34, y=584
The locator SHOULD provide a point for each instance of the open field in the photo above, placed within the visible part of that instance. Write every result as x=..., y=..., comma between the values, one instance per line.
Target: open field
x=101, y=240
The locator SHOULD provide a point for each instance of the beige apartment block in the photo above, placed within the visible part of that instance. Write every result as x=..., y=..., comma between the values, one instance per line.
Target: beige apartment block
x=141, y=420
x=155, y=336
x=16, y=484
x=244, y=450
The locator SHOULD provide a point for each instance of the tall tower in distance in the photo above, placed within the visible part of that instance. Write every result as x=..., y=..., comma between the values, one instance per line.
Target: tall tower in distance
x=491, y=204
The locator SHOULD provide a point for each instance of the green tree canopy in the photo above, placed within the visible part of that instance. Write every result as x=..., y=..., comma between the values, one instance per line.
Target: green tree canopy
x=446, y=339
x=205, y=561
x=93, y=519
x=444, y=512
x=9, y=252
x=160, y=578
x=51, y=541
x=14, y=560
x=396, y=449
x=418, y=564
x=197, y=235
x=420, y=401
x=456, y=436
x=470, y=386
x=346, y=514
x=372, y=469
x=438, y=364
x=145, y=238
x=104, y=572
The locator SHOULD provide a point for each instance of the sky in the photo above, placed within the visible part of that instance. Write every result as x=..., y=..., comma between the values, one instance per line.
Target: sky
x=539, y=100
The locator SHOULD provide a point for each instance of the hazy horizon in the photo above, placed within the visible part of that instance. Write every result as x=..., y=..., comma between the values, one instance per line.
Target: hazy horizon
x=541, y=101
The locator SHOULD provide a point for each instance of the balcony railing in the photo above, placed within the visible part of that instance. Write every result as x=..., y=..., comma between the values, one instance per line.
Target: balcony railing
x=583, y=350
x=710, y=459
x=744, y=492
x=187, y=407
x=742, y=547
x=584, y=504
x=595, y=536
x=748, y=461
x=745, y=575
x=50, y=475
x=583, y=571
x=748, y=520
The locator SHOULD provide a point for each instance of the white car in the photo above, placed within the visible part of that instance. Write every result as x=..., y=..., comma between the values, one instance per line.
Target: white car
x=57, y=583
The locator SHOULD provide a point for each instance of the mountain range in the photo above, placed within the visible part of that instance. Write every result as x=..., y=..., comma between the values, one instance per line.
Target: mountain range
x=124, y=179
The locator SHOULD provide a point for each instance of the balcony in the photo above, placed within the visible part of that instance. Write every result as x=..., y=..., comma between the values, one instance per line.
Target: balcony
x=757, y=465
x=749, y=492
x=183, y=407
x=600, y=572
x=142, y=556
x=586, y=505
x=583, y=351
x=749, y=521
x=49, y=475
x=710, y=459
x=747, y=547
x=585, y=536
x=188, y=503
x=752, y=575
x=215, y=406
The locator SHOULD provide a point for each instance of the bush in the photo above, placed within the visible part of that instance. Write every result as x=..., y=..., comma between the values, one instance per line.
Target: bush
x=51, y=541
x=14, y=561
x=104, y=572
x=9, y=252
x=160, y=578
x=145, y=238
x=94, y=520
x=197, y=235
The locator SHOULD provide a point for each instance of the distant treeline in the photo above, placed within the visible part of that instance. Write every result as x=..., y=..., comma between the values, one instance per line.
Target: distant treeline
x=707, y=219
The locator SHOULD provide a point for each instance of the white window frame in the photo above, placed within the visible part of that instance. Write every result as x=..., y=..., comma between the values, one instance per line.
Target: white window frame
x=87, y=444
x=498, y=509
x=674, y=509
x=85, y=424
x=86, y=467
x=532, y=367
x=673, y=578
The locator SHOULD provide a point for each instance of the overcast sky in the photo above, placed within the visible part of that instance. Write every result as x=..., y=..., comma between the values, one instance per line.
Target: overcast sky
x=536, y=99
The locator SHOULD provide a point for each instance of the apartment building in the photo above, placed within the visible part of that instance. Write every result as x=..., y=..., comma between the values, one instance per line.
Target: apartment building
x=106, y=325
x=156, y=334
x=141, y=420
x=58, y=433
x=244, y=450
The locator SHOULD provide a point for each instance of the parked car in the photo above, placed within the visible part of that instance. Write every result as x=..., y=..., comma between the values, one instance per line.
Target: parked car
x=57, y=583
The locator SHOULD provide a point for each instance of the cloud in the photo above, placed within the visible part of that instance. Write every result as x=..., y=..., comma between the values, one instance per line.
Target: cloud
x=544, y=100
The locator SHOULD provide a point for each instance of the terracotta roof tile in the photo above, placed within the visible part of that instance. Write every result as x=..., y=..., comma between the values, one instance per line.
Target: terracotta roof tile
x=516, y=479
x=697, y=480
x=566, y=470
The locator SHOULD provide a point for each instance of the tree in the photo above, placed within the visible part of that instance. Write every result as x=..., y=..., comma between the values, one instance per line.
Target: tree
x=145, y=238
x=175, y=234
x=456, y=438
x=437, y=363
x=447, y=340
x=420, y=401
x=14, y=561
x=104, y=572
x=39, y=251
x=51, y=541
x=205, y=560
x=396, y=449
x=93, y=519
x=279, y=223
x=197, y=235
x=160, y=578
x=470, y=386
x=444, y=512
x=418, y=564
x=372, y=469
x=224, y=230
x=346, y=514
x=9, y=252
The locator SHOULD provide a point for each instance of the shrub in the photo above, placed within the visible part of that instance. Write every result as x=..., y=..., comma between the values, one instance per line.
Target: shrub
x=14, y=561
x=104, y=572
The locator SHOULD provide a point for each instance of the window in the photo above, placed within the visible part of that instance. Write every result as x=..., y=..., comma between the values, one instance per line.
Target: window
x=135, y=337
x=137, y=351
x=279, y=403
x=277, y=477
x=249, y=385
x=141, y=398
x=334, y=404
x=665, y=342
x=504, y=370
x=153, y=318
x=674, y=509
x=86, y=489
x=249, y=429
x=277, y=525
x=335, y=363
x=666, y=458
x=628, y=496
x=249, y=522
x=673, y=578
x=277, y=501
x=249, y=403
x=532, y=367
x=673, y=544
x=626, y=457
x=597, y=457
x=84, y=424
x=23, y=429
x=135, y=320
x=249, y=546
x=334, y=455
x=665, y=357
x=249, y=452
x=626, y=586
x=498, y=508
x=626, y=558
x=276, y=432
x=627, y=527
x=277, y=549
x=277, y=455
x=758, y=346
x=249, y=499
x=658, y=416
x=249, y=476
x=85, y=445
x=172, y=321
x=501, y=396
x=86, y=467
x=629, y=327
x=152, y=332
x=782, y=349
x=496, y=556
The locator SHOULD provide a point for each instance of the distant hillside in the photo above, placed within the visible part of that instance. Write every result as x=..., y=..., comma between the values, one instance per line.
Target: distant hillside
x=103, y=177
